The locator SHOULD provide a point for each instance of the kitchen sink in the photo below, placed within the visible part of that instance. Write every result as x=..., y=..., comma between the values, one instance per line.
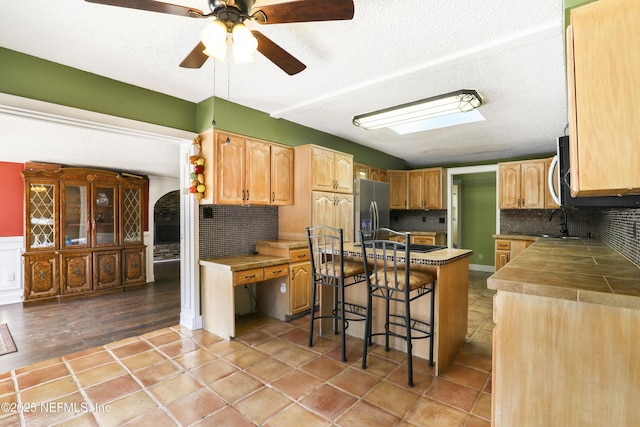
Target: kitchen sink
x=558, y=236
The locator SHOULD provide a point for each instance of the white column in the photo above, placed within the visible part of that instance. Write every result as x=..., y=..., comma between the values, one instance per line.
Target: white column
x=190, y=316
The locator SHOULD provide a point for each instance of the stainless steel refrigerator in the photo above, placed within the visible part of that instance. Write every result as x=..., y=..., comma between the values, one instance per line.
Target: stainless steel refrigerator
x=371, y=199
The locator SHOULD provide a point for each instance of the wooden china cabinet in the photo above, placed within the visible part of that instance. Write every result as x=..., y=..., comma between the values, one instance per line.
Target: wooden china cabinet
x=84, y=233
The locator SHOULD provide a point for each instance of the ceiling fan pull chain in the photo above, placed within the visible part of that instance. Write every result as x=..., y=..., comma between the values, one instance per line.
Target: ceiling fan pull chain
x=228, y=100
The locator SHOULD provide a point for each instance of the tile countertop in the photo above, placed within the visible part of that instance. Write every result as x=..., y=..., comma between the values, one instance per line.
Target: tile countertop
x=439, y=257
x=283, y=244
x=515, y=237
x=585, y=270
x=244, y=262
x=424, y=233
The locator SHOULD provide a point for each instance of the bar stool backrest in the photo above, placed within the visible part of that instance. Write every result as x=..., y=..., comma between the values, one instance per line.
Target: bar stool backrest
x=326, y=247
x=388, y=267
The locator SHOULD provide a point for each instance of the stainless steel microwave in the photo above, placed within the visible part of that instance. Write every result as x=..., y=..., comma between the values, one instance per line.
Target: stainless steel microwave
x=561, y=170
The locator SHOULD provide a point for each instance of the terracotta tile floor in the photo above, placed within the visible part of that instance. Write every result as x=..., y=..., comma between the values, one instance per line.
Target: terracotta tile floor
x=267, y=376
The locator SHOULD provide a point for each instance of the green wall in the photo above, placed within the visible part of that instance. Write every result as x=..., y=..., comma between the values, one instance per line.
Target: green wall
x=257, y=124
x=478, y=215
x=30, y=77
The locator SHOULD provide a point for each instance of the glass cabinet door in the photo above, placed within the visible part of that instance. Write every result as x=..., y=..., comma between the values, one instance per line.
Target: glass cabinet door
x=131, y=215
x=75, y=216
x=42, y=215
x=105, y=215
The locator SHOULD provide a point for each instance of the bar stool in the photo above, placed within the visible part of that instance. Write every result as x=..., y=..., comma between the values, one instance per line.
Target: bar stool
x=330, y=268
x=390, y=278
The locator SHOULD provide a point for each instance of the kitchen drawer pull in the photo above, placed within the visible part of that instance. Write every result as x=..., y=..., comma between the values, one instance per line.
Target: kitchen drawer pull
x=276, y=272
x=250, y=277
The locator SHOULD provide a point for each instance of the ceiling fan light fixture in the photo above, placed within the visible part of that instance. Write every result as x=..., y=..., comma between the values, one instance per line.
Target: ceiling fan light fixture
x=244, y=44
x=460, y=101
x=214, y=37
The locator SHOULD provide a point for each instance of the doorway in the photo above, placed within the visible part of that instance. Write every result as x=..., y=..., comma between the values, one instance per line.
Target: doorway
x=456, y=188
x=474, y=217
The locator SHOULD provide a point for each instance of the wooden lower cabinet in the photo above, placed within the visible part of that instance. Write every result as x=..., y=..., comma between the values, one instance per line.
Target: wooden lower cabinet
x=506, y=250
x=133, y=266
x=299, y=287
x=295, y=297
x=41, y=276
x=558, y=362
x=76, y=275
x=107, y=269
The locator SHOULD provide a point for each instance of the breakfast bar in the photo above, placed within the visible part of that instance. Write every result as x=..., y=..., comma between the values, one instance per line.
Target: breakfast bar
x=450, y=267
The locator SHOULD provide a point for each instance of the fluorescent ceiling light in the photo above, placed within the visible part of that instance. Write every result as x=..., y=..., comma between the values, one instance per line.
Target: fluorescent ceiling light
x=438, y=122
x=460, y=101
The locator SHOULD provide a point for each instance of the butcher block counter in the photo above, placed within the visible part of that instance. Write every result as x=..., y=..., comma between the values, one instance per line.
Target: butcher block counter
x=566, y=351
x=219, y=276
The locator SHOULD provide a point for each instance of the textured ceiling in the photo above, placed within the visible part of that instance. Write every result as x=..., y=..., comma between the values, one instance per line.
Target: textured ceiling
x=392, y=52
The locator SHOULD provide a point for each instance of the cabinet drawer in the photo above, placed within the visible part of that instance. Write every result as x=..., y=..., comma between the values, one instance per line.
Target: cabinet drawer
x=503, y=245
x=248, y=276
x=273, y=271
x=298, y=255
x=423, y=240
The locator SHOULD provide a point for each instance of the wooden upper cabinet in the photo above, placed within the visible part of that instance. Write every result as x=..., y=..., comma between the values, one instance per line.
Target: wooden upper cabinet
x=282, y=168
x=426, y=189
x=509, y=178
x=435, y=189
x=334, y=210
x=332, y=171
x=523, y=185
x=398, y=189
x=229, y=169
x=258, y=172
x=249, y=171
x=360, y=171
x=603, y=59
x=416, y=189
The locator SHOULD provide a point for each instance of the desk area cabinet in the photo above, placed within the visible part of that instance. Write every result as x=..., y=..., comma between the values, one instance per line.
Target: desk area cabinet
x=219, y=277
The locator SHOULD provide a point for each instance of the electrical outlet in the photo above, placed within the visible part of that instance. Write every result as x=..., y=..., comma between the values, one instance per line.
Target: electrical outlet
x=424, y=219
x=207, y=212
x=441, y=220
x=283, y=287
x=480, y=256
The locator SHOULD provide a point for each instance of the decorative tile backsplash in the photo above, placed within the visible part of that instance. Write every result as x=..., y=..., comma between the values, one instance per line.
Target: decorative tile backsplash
x=580, y=222
x=411, y=220
x=232, y=230
x=620, y=229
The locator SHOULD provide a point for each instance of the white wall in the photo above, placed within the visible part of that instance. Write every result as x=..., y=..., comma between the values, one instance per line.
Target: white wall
x=11, y=273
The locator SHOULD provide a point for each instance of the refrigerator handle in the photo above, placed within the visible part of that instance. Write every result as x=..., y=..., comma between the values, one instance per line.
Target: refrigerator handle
x=374, y=215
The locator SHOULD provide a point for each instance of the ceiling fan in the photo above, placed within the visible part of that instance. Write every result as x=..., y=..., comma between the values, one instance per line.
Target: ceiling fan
x=234, y=12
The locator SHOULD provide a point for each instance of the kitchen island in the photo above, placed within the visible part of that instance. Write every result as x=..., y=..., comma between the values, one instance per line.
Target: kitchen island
x=566, y=351
x=450, y=267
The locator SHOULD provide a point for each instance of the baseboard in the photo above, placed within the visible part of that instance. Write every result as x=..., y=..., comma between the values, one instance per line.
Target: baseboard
x=481, y=267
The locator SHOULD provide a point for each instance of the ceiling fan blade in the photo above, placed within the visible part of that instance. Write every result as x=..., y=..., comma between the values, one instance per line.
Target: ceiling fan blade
x=152, y=6
x=196, y=57
x=304, y=11
x=274, y=53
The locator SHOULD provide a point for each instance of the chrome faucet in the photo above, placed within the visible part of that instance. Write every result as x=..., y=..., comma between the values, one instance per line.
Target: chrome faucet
x=563, y=221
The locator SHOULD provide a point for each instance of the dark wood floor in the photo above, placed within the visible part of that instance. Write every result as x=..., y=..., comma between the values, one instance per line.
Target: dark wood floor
x=52, y=330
